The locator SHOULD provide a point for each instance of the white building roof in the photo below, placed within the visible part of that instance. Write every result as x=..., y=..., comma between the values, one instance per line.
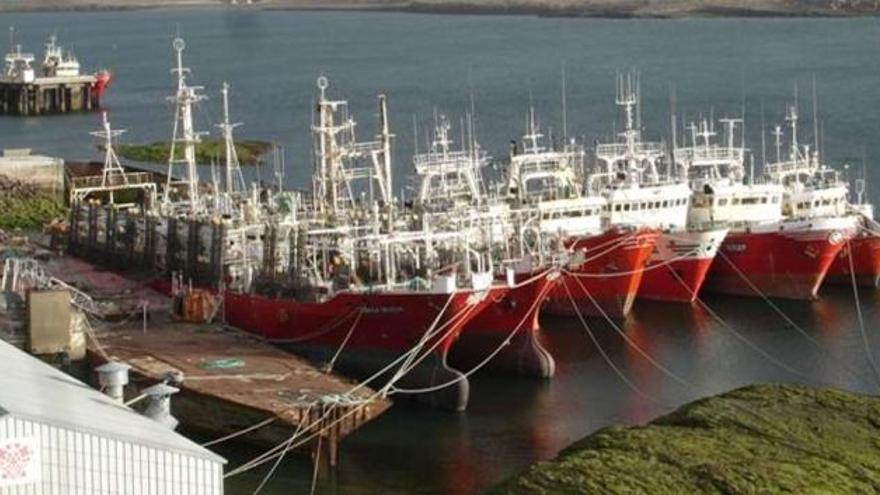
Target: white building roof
x=33, y=390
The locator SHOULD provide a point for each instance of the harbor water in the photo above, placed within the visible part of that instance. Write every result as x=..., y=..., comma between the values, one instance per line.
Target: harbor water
x=498, y=66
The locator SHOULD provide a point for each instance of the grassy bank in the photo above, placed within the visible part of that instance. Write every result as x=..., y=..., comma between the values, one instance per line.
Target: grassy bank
x=250, y=152
x=25, y=206
x=29, y=213
x=758, y=439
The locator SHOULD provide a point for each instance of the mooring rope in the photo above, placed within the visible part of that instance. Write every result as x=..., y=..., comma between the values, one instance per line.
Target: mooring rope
x=241, y=432
x=729, y=328
x=354, y=325
x=865, y=341
x=504, y=343
x=628, y=340
x=787, y=319
x=643, y=269
x=785, y=436
x=268, y=475
x=629, y=383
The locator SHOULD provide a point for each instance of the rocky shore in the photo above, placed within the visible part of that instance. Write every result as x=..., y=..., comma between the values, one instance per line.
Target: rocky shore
x=568, y=8
x=757, y=439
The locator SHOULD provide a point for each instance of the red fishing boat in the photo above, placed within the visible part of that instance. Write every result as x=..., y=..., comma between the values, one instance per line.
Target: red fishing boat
x=679, y=264
x=505, y=332
x=784, y=231
x=788, y=261
x=607, y=281
x=643, y=192
x=365, y=333
x=102, y=81
x=864, y=249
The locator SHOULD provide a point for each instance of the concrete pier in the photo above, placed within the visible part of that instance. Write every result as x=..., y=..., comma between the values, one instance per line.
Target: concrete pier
x=49, y=95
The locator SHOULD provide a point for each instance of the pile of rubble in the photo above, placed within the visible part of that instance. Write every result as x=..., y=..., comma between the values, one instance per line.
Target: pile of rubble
x=13, y=188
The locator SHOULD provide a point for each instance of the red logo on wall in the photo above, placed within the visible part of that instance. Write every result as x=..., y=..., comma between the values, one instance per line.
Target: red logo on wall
x=14, y=461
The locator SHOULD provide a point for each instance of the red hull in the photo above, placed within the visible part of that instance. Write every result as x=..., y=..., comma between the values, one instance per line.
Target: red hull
x=865, y=262
x=679, y=265
x=363, y=333
x=679, y=281
x=512, y=318
x=383, y=321
x=102, y=81
x=784, y=265
x=608, y=281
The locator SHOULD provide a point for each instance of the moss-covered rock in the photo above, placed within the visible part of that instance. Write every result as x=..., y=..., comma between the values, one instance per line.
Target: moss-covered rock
x=757, y=439
x=249, y=152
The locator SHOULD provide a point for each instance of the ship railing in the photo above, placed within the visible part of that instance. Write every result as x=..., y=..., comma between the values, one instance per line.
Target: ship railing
x=114, y=180
x=616, y=151
x=545, y=167
x=709, y=156
x=447, y=164
x=365, y=147
x=780, y=169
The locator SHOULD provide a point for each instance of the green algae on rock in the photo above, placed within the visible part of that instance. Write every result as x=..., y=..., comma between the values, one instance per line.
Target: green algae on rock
x=757, y=439
x=249, y=152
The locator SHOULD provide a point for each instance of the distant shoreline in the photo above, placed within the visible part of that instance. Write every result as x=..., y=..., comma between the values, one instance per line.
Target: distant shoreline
x=622, y=10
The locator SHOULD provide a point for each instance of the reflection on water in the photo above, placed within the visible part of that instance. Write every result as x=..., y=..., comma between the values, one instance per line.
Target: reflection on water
x=513, y=422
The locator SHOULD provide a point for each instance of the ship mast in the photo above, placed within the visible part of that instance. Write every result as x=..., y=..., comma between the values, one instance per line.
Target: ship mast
x=627, y=97
x=112, y=167
x=533, y=136
x=325, y=176
x=385, y=184
x=777, y=133
x=184, y=132
x=340, y=158
x=792, y=118
x=234, y=177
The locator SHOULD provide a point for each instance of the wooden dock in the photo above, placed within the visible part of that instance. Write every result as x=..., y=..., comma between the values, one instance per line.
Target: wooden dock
x=230, y=380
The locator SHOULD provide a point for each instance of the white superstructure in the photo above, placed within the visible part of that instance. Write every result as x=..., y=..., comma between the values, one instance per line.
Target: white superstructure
x=721, y=194
x=547, y=187
x=629, y=175
x=56, y=63
x=19, y=67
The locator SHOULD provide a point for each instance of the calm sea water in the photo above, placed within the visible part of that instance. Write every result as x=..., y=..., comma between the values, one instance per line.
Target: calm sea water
x=271, y=60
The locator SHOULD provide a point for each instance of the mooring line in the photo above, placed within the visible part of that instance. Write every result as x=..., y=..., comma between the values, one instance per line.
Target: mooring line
x=787, y=319
x=865, y=342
